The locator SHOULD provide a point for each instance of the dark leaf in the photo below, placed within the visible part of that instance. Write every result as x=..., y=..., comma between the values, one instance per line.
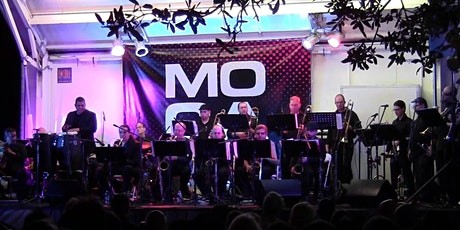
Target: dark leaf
x=99, y=19
x=134, y=2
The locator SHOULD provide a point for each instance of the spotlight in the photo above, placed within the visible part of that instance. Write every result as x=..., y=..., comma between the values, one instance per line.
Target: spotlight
x=141, y=50
x=310, y=41
x=334, y=39
x=118, y=49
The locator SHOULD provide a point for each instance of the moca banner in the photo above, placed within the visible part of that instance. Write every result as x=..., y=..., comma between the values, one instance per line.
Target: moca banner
x=178, y=78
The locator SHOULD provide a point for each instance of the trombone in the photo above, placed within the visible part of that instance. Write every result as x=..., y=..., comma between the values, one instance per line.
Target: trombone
x=348, y=113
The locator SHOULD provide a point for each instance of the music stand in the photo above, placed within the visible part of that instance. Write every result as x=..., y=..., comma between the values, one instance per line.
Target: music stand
x=234, y=122
x=169, y=149
x=107, y=156
x=213, y=150
x=325, y=120
x=282, y=122
x=383, y=134
x=431, y=117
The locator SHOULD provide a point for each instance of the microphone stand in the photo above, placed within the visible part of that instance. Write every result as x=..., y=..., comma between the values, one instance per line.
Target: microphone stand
x=376, y=139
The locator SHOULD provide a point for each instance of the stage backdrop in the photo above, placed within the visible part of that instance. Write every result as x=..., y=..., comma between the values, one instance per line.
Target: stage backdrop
x=179, y=78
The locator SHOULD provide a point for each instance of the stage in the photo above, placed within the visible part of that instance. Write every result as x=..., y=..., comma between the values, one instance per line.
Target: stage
x=13, y=212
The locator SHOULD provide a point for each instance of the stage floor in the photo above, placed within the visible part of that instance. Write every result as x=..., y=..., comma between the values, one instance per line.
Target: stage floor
x=13, y=212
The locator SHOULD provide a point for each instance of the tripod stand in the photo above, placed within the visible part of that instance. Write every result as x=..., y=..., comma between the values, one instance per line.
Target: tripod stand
x=40, y=141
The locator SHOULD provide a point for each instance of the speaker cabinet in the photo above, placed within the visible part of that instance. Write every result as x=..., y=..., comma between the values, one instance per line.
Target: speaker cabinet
x=289, y=189
x=368, y=193
x=62, y=190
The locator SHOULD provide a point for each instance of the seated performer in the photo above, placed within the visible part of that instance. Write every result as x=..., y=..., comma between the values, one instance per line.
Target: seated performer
x=248, y=167
x=179, y=165
x=206, y=158
x=310, y=169
x=243, y=133
x=12, y=162
x=131, y=169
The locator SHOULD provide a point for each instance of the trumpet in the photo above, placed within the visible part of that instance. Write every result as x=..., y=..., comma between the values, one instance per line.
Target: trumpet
x=216, y=118
x=348, y=113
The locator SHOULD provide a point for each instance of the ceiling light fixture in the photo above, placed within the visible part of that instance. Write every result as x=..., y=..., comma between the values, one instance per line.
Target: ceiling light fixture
x=335, y=39
x=118, y=49
x=310, y=41
x=141, y=50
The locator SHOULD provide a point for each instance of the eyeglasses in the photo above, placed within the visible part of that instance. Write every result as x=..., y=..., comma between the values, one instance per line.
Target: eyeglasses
x=260, y=133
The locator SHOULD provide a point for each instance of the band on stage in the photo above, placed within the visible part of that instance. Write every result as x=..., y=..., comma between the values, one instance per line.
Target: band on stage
x=232, y=154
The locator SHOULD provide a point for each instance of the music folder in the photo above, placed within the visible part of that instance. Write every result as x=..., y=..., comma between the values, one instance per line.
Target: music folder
x=282, y=122
x=170, y=148
x=210, y=148
x=109, y=154
x=301, y=148
x=248, y=149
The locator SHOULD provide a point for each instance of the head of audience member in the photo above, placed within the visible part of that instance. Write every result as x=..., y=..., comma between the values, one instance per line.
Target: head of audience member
x=243, y=108
x=124, y=132
x=301, y=215
x=260, y=132
x=179, y=130
x=312, y=129
x=205, y=113
x=399, y=107
x=80, y=105
x=141, y=129
x=272, y=204
x=380, y=223
x=340, y=102
x=420, y=103
x=231, y=216
x=217, y=132
x=246, y=221
x=156, y=219
x=10, y=135
x=119, y=204
x=326, y=208
x=294, y=105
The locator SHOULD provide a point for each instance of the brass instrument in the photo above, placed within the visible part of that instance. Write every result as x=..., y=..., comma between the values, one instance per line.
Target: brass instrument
x=426, y=132
x=348, y=113
x=255, y=110
x=209, y=163
x=216, y=118
x=301, y=129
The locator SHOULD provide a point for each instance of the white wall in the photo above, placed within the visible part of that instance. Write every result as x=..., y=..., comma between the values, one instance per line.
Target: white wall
x=99, y=82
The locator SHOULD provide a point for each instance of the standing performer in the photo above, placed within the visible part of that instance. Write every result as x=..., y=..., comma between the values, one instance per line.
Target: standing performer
x=402, y=123
x=421, y=154
x=340, y=142
x=84, y=123
x=243, y=109
x=204, y=124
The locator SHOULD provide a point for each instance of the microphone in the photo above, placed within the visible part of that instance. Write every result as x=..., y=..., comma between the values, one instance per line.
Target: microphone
x=100, y=142
x=116, y=125
x=374, y=115
x=103, y=116
x=384, y=106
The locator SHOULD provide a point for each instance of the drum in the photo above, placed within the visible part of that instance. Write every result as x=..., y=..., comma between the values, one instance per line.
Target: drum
x=69, y=152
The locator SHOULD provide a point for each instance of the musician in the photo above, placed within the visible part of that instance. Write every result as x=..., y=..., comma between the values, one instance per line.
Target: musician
x=246, y=164
x=204, y=173
x=204, y=124
x=341, y=141
x=402, y=123
x=179, y=164
x=307, y=169
x=131, y=167
x=446, y=141
x=243, y=109
x=12, y=162
x=83, y=122
x=294, y=108
x=420, y=153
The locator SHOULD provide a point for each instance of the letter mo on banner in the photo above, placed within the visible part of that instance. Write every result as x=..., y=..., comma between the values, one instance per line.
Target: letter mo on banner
x=174, y=71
